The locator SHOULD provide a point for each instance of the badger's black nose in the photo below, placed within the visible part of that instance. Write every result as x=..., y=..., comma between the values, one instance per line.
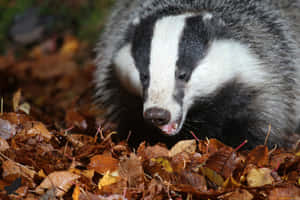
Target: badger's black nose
x=157, y=116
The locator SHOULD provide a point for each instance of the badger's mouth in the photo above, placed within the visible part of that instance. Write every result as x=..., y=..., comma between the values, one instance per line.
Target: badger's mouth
x=172, y=128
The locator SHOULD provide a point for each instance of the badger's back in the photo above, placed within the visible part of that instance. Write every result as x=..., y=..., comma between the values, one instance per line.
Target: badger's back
x=267, y=28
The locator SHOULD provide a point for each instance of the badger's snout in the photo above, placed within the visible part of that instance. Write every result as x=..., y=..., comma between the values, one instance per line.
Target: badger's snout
x=157, y=116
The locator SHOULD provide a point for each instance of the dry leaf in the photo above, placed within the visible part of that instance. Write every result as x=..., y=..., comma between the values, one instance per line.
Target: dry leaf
x=238, y=194
x=212, y=176
x=108, y=179
x=103, y=164
x=12, y=170
x=131, y=169
x=39, y=129
x=165, y=164
x=61, y=181
x=152, y=151
x=70, y=45
x=290, y=192
x=188, y=146
x=16, y=100
x=258, y=177
x=3, y=145
x=259, y=156
x=7, y=129
x=74, y=118
x=76, y=193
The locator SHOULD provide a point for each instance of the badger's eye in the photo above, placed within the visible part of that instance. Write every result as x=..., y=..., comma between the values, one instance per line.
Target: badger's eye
x=181, y=75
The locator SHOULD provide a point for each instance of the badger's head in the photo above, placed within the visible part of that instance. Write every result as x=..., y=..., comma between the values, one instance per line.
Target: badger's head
x=172, y=61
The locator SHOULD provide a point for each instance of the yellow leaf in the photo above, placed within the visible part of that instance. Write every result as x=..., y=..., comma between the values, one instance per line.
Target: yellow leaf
x=188, y=146
x=258, y=177
x=76, y=193
x=16, y=100
x=70, y=45
x=212, y=176
x=164, y=163
x=42, y=174
x=298, y=154
x=108, y=179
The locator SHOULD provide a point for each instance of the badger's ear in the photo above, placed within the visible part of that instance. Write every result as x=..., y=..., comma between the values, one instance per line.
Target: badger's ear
x=214, y=24
x=210, y=18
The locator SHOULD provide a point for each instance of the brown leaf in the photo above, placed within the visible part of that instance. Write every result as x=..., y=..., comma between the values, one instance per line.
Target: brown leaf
x=224, y=161
x=131, y=170
x=239, y=194
x=39, y=129
x=152, y=151
x=74, y=118
x=12, y=170
x=103, y=163
x=3, y=144
x=290, y=192
x=190, y=180
x=259, y=156
x=60, y=180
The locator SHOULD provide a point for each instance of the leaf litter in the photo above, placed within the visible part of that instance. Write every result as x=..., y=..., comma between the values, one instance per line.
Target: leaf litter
x=51, y=146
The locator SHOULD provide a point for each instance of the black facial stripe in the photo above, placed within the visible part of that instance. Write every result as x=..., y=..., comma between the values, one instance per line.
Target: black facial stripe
x=193, y=45
x=141, y=49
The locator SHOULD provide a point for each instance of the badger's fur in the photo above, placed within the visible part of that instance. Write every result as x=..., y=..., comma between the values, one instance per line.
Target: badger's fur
x=220, y=68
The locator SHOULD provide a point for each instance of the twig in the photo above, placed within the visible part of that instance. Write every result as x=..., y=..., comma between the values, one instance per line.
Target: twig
x=267, y=137
x=194, y=135
x=241, y=145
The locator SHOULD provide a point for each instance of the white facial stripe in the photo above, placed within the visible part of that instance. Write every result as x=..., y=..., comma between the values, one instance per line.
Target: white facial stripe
x=226, y=59
x=127, y=72
x=164, y=53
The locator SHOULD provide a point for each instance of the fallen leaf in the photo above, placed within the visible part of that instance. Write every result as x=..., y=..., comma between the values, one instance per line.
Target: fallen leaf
x=290, y=192
x=25, y=107
x=258, y=177
x=224, y=161
x=11, y=170
x=16, y=100
x=60, y=180
x=103, y=163
x=74, y=118
x=239, y=194
x=108, y=179
x=188, y=146
x=70, y=45
x=42, y=174
x=76, y=193
x=152, y=151
x=3, y=144
x=39, y=129
x=212, y=176
x=131, y=169
x=165, y=164
x=259, y=156
x=7, y=130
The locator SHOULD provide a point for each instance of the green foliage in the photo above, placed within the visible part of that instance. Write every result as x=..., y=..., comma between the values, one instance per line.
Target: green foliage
x=8, y=11
x=84, y=18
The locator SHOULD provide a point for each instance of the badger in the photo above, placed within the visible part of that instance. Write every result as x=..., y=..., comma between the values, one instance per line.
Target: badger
x=225, y=69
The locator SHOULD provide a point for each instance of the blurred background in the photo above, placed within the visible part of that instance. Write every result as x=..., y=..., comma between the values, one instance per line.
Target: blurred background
x=24, y=22
x=47, y=58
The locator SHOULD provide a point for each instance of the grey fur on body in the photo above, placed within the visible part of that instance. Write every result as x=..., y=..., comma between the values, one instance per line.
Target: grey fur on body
x=269, y=28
